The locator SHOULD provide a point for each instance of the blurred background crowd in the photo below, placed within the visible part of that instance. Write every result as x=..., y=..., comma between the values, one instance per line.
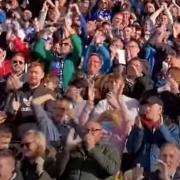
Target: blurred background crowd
x=90, y=89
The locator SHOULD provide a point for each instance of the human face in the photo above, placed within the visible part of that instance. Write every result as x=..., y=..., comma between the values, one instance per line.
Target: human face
x=27, y=15
x=133, y=49
x=127, y=32
x=65, y=46
x=30, y=148
x=117, y=21
x=7, y=167
x=36, y=74
x=117, y=44
x=91, y=28
x=103, y=4
x=171, y=156
x=150, y=8
x=164, y=20
x=18, y=65
x=4, y=142
x=84, y=6
x=63, y=111
x=134, y=69
x=116, y=86
x=95, y=130
x=126, y=15
x=95, y=65
x=152, y=111
x=73, y=92
x=138, y=34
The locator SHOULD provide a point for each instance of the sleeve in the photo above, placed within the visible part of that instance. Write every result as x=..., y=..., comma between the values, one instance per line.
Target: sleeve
x=110, y=161
x=77, y=49
x=45, y=123
x=21, y=47
x=135, y=140
x=84, y=32
x=171, y=134
x=100, y=108
x=42, y=18
x=85, y=114
x=40, y=52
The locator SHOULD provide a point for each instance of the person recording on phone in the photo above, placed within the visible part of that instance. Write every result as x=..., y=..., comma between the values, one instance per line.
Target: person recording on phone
x=89, y=158
x=150, y=133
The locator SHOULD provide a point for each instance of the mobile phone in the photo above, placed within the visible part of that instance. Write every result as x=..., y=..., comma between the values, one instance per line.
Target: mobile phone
x=121, y=56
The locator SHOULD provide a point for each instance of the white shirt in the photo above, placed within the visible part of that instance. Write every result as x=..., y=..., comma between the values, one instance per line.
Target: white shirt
x=131, y=104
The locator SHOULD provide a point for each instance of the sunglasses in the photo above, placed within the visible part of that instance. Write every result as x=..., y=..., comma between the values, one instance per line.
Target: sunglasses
x=64, y=44
x=18, y=62
x=26, y=144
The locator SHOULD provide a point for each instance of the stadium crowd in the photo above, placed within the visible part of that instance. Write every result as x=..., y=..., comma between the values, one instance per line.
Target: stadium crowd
x=90, y=90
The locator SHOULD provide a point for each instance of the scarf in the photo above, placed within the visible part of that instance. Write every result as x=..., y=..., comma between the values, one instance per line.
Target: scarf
x=150, y=124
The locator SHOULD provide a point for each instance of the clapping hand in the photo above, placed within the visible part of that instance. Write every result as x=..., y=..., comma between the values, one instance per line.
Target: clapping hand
x=112, y=100
x=89, y=141
x=72, y=141
x=39, y=165
x=138, y=172
x=13, y=83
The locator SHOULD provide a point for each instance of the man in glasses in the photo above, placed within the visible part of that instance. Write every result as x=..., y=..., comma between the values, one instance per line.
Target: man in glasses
x=18, y=77
x=64, y=57
x=14, y=79
x=89, y=159
x=18, y=106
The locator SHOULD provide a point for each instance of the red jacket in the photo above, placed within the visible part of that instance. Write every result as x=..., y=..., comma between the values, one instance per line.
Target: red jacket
x=5, y=69
x=21, y=47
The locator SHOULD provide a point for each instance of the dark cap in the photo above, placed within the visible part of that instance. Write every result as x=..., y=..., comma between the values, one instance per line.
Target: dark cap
x=152, y=100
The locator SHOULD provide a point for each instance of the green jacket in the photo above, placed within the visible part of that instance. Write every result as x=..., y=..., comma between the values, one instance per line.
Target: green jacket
x=71, y=62
x=100, y=163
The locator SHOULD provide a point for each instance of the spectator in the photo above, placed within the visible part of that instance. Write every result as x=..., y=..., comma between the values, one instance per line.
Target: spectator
x=5, y=138
x=20, y=104
x=76, y=92
x=116, y=100
x=102, y=161
x=34, y=147
x=138, y=80
x=56, y=127
x=8, y=166
x=168, y=165
x=150, y=133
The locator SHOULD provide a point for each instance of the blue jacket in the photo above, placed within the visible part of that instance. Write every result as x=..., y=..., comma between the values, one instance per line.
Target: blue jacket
x=55, y=132
x=145, y=145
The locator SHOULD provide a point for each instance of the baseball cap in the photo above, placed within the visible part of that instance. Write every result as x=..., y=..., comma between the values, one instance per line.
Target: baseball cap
x=152, y=100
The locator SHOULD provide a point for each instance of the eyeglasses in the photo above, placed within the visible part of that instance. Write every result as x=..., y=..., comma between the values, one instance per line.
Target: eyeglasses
x=18, y=62
x=92, y=130
x=26, y=144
